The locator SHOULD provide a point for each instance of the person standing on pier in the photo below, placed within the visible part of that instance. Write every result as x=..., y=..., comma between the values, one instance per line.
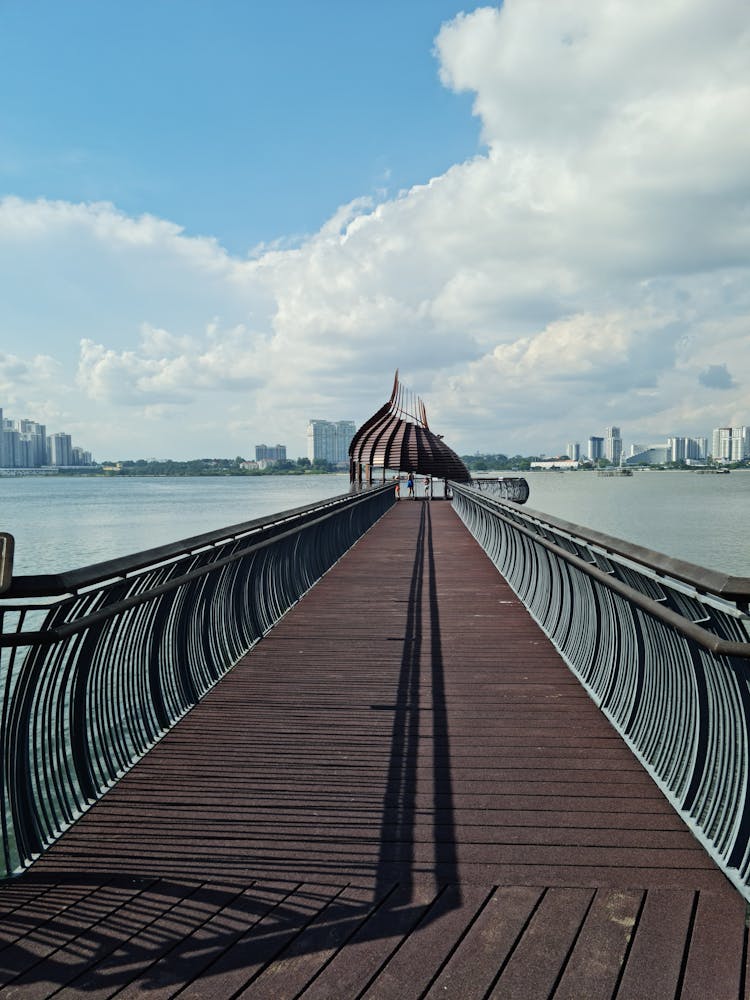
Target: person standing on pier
x=410, y=485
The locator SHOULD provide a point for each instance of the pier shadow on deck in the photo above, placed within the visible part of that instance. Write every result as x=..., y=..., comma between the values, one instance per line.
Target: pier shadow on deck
x=401, y=791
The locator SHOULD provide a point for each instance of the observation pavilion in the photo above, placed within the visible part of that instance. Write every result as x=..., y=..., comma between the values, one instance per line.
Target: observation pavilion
x=398, y=438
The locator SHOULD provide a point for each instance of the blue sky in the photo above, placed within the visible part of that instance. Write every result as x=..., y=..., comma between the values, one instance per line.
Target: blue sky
x=248, y=122
x=219, y=220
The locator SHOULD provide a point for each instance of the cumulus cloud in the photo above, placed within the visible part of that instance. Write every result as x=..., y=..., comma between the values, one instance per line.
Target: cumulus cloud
x=586, y=269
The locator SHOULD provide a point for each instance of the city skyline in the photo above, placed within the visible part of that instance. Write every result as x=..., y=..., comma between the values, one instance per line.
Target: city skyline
x=533, y=211
x=25, y=444
x=329, y=440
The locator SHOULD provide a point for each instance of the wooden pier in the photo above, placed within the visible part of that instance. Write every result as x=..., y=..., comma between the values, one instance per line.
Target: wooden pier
x=401, y=791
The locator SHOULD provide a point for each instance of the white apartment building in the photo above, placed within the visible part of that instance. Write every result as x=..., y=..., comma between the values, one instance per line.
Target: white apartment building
x=60, y=449
x=330, y=440
x=730, y=444
x=686, y=449
x=613, y=445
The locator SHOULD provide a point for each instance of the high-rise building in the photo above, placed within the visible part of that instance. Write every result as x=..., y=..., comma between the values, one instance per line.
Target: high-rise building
x=596, y=449
x=10, y=446
x=24, y=444
x=613, y=445
x=721, y=444
x=676, y=449
x=730, y=444
x=686, y=449
x=330, y=441
x=36, y=434
x=270, y=453
x=60, y=449
x=573, y=450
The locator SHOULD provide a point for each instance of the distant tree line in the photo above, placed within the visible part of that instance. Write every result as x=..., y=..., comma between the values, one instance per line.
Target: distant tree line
x=213, y=467
x=487, y=463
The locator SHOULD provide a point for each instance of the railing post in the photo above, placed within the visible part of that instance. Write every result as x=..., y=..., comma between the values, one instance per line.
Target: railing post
x=6, y=561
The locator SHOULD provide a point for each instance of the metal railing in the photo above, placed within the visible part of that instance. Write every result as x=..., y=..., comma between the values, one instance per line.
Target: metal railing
x=98, y=663
x=661, y=645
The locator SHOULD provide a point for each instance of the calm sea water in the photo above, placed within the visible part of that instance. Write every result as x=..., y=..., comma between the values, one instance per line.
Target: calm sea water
x=701, y=518
x=62, y=523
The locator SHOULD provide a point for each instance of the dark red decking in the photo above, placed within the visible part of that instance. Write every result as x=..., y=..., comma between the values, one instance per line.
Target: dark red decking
x=401, y=792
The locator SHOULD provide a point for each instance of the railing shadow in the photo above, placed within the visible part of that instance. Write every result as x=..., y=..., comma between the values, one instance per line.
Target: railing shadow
x=171, y=930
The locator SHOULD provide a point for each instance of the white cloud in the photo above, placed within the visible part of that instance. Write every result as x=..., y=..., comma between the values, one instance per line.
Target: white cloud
x=586, y=270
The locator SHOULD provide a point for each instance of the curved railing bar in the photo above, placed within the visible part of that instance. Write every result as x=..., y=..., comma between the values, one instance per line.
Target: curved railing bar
x=95, y=674
x=72, y=581
x=658, y=644
x=732, y=588
x=708, y=640
x=55, y=634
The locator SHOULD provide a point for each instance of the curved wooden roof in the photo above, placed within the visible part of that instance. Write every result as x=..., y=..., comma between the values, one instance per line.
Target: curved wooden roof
x=395, y=438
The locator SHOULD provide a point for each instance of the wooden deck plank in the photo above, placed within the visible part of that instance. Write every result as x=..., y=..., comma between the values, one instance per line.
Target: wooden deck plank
x=325, y=935
x=360, y=961
x=715, y=956
x=401, y=788
x=536, y=963
x=595, y=965
x=412, y=968
x=655, y=962
x=476, y=961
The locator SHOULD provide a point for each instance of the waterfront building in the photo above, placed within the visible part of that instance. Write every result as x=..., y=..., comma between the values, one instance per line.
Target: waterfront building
x=555, y=463
x=24, y=451
x=60, y=450
x=573, y=451
x=613, y=445
x=36, y=435
x=677, y=449
x=25, y=444
x=730, y=444
x=596, y=449
x=329, y=441
x=655, y=455
x=10, y=446
x=721, y=444
x=270, y=453
x=686, y=449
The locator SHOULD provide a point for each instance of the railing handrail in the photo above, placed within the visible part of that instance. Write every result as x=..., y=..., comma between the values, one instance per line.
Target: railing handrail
x=701, y=578
x=663, y=655
x=713, y=643
x=73, y=581
x=97, y=664
x=56, y=633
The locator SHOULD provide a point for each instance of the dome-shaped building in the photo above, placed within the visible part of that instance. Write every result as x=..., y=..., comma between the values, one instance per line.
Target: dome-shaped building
x=397, y=437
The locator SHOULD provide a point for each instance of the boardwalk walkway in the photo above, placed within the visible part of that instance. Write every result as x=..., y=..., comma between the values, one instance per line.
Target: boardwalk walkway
x=400, y=792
